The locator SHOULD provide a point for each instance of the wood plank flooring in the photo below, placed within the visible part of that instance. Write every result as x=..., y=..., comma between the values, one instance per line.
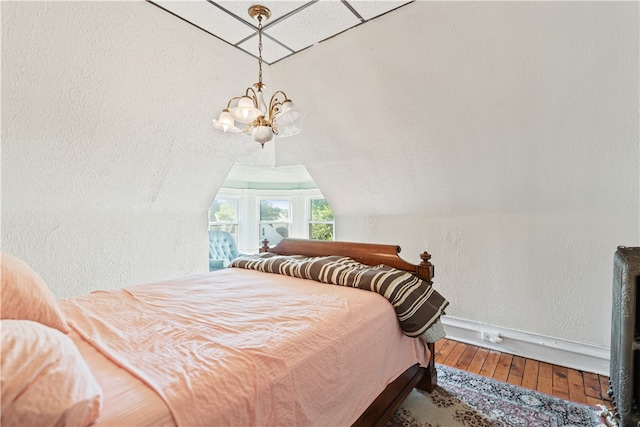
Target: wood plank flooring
x=559, y=381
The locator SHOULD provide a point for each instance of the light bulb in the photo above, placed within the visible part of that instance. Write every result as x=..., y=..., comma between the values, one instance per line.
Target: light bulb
x=245, y=111
x=225, y=123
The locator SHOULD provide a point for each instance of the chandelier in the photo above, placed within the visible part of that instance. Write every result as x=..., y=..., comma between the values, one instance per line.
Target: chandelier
x=251, y=113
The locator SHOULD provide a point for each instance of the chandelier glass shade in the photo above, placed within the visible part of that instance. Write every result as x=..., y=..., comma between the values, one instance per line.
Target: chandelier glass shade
x=250, y=114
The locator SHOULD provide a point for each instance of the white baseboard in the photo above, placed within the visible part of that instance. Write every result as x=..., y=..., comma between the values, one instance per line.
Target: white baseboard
x=583, y=357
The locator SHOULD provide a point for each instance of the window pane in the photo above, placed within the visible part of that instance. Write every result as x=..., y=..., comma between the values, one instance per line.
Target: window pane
x=223, y=210
x=229, y=228
x=273, y=232
x=274, y=210
x=321, y=231
x=320, y=210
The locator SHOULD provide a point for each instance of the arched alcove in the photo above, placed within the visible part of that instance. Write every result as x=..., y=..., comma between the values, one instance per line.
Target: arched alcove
x=270, y=202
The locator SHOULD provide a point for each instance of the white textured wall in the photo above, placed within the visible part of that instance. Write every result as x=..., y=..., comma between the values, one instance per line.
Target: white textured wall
x=500, y=136
x=109, y=158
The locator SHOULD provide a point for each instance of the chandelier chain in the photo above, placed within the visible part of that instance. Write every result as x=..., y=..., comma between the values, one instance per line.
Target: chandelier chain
x=260, y=49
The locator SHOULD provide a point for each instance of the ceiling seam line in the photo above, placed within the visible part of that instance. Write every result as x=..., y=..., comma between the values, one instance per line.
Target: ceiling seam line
x=276, y=41
x=279, y=42
x=189, y=22
x=249, y=24
x=355, y=12
x=293, y=12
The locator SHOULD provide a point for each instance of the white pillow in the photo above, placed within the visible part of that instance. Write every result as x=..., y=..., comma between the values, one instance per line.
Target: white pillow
x=45, y=381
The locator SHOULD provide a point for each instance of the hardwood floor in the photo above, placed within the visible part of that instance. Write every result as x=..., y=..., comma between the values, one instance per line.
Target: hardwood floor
x=566, y=383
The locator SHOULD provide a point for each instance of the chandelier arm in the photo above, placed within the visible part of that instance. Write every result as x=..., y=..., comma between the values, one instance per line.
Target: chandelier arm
x=231, y=100
x=274, y=109
x=276, y=93
x=254, y=96
x=274, y=102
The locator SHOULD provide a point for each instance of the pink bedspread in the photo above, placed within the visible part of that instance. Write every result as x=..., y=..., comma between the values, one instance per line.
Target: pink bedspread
x=126, y=401
x=241, y=347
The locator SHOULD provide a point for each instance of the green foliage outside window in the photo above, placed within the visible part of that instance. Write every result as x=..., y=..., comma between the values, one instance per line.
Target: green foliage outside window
x=223, y=210
x=321, y=211
x=270, y=211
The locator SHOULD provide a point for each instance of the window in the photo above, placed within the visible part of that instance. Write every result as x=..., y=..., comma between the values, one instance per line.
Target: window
x=223, y=215
x=253, y=215
x=274, y=223
x=321, y=221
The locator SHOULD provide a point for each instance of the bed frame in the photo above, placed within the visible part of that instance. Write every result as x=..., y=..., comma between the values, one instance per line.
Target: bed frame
x=425, y=378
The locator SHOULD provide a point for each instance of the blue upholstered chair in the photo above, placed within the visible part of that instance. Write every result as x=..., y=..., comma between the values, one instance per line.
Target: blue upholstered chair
x=222, y=250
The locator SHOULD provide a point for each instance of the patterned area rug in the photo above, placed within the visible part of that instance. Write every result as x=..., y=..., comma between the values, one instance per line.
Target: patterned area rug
x=465, y=399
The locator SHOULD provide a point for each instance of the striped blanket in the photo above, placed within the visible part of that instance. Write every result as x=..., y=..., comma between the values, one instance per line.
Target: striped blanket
x=417, y=305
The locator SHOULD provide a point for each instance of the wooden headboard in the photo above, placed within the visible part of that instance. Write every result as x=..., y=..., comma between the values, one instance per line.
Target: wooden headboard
x=365, y=253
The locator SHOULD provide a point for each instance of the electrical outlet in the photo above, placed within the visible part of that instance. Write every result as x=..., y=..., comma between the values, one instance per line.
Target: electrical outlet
x=492, y=338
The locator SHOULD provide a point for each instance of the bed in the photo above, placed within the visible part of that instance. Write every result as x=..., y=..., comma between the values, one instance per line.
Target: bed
x=240, y=346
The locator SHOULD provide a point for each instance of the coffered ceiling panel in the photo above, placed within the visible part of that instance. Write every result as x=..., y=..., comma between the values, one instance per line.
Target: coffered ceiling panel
x=292, y=27
x=313, y=24
x=211, y=19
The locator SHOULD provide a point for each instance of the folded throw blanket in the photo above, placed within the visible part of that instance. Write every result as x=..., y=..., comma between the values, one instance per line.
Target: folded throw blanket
x=417, y=304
